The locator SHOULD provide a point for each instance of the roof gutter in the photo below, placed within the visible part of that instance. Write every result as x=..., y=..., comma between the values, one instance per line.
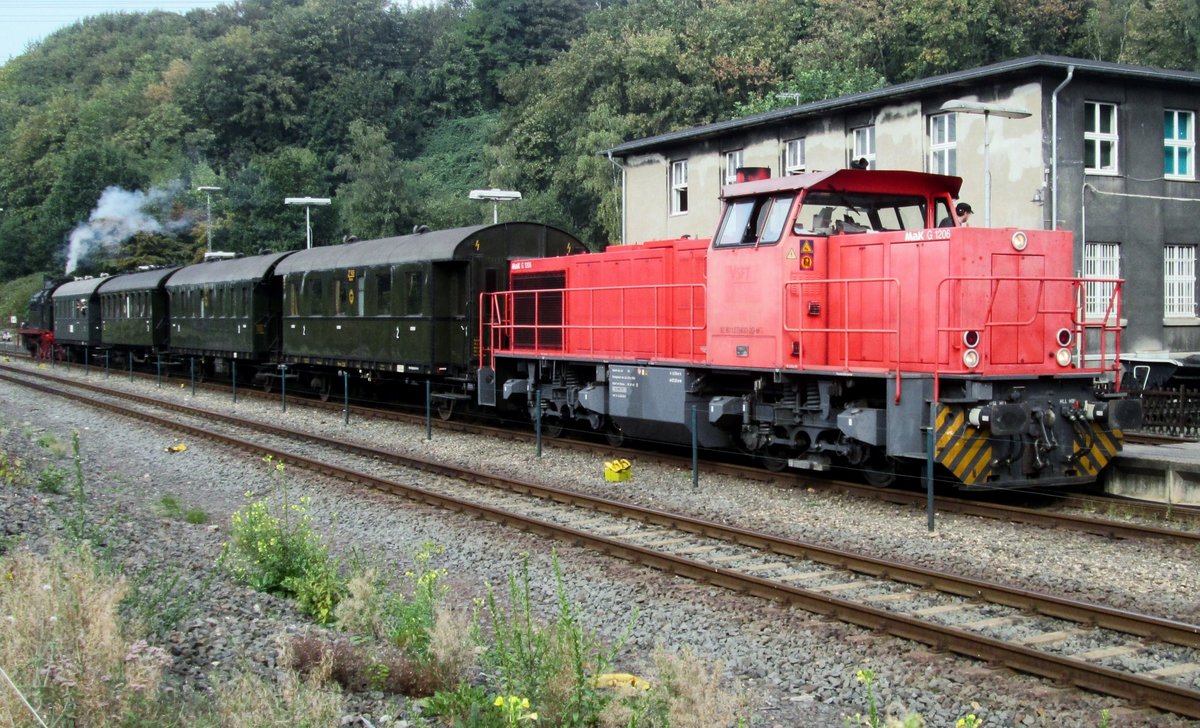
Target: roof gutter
x=1054, y=147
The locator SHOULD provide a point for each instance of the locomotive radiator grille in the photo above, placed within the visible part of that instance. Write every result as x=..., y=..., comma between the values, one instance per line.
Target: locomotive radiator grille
x=962, y=448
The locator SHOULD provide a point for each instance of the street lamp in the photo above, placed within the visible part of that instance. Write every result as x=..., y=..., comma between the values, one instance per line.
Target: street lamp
x=208, y=190
x=963, y=106
x=496, y=196
x=308, y=203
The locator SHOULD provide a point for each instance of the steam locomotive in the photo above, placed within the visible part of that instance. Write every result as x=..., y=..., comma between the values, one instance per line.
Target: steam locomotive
x=829, y=322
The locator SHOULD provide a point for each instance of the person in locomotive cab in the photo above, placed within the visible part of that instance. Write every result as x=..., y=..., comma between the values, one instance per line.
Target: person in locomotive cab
x=962, y=213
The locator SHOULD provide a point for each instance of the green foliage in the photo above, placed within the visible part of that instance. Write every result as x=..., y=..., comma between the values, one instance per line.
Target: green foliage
x=52, y=479
x=12, y=469
x=15, y=295
x=273, y=548
x=397, y=110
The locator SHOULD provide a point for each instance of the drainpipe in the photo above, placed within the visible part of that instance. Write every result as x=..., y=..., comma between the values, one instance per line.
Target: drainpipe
x=1054, y=147
x=612, y=160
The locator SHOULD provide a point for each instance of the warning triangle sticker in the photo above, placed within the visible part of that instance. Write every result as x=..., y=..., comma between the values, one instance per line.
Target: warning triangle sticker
x=806, y=247
x=791, y=254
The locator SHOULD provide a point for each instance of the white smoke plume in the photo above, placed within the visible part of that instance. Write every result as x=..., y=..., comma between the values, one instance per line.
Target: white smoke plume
x=119, y=215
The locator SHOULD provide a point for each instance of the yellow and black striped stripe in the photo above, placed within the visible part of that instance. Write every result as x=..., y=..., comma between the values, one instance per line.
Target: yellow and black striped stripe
x=966, y=450
x=1104, y=446
x=962, y=448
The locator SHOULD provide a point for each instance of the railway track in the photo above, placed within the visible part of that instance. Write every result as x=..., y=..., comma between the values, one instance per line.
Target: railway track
x=1183, y=523
x=1085, y=645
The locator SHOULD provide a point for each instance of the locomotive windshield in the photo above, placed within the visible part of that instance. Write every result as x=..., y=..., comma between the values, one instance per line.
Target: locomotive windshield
x=754, y=220
x=834, y=213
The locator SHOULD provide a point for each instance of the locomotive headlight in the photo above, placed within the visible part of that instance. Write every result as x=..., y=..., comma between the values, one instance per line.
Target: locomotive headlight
x=1019, y=240
x=970, y=358
x=1063, y=357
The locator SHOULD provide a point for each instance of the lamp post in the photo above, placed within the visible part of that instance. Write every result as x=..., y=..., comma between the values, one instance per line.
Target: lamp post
x=496, y=196
x=962, y=106
x=208, y=190
x=308, y=203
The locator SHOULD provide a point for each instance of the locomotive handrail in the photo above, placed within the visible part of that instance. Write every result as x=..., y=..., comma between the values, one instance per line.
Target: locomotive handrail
x=801, y=329
x=1077, y=317
x=502, y=333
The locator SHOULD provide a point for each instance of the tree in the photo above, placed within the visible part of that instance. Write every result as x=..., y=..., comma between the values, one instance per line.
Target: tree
x=375, y=201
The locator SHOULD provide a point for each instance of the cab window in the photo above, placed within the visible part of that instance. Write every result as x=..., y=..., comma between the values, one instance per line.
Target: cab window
x=754, y=221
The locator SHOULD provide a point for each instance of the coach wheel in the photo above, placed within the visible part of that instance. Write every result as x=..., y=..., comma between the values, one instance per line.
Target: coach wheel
x=614, y=435
x=879, y=471
x=267, y=383
x=552, y=426
x=323, y=386
x=774, y=458
x=444, y=406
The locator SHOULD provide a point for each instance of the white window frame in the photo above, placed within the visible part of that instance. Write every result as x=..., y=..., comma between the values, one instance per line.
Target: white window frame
x=679, y=187
x=793, y=156
x=734, y=159
x=1183, y=143
x=943, y=143
x=864, y=145
x=1100, y=260
x=1179, y=281
x=1097, y=140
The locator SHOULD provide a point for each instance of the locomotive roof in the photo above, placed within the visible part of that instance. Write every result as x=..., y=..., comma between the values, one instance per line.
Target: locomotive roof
x=82, y=287
x=435, y=245
x=140, y=281
x=253, y=268
x=872, y=181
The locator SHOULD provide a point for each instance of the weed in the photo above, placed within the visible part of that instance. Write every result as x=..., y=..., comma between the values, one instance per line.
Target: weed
x=51, y=479
x=465, y=705
x=12, y=469
x=159, y=601
x=170, y=505
x=195, y=516
x=49, y=442
x=359, y=667
x=873, y=719
x=274, y=549
x=77, y=526
x=300, y=702
x=65, y=646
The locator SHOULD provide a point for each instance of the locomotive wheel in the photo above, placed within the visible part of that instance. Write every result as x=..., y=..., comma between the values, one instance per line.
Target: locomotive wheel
x=880, y=471
x=445, y=408
x=774, y=458
x=613, y=435
x=552, y=426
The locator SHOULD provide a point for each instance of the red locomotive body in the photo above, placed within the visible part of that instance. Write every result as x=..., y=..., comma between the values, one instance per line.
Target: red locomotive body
x=818, y=325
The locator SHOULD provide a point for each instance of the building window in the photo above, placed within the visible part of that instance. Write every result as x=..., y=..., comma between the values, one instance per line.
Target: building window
x=733, y=161
x=793, y=157
x=864, y=146
x=1179, y=143
x=943, y=143
x=679, y=187
x=1179, y=281
x=1100, y=138
x=1100, y=260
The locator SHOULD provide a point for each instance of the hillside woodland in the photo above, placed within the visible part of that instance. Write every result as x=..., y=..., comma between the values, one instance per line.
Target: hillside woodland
x=396, y=111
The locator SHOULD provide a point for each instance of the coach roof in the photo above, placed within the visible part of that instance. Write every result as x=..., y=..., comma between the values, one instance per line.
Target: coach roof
x=253, y=268
x=82, y=287
x=435, y=246
x=141, y=281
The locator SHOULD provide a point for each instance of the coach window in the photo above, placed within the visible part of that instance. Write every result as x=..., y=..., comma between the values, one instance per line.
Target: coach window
x=414, y=292
x=383, y=292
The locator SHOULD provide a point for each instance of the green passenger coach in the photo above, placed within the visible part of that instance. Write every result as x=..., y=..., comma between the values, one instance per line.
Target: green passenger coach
x=403, y=307
x=227, y=310
x=134, y=309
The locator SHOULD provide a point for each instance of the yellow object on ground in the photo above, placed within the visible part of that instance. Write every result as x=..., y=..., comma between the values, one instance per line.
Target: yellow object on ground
x=618, y=470
x=177, y=448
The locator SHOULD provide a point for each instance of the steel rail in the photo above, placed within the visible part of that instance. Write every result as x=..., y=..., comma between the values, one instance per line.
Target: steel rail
x=1060, y=668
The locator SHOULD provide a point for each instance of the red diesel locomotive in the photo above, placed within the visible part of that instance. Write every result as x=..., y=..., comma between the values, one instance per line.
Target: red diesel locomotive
x=827, y=322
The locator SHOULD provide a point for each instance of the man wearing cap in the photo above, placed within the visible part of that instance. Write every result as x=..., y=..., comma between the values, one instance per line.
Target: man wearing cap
x=962, y=211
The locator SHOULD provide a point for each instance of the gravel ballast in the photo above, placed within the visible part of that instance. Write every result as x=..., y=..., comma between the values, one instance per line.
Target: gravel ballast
x=801, y=667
